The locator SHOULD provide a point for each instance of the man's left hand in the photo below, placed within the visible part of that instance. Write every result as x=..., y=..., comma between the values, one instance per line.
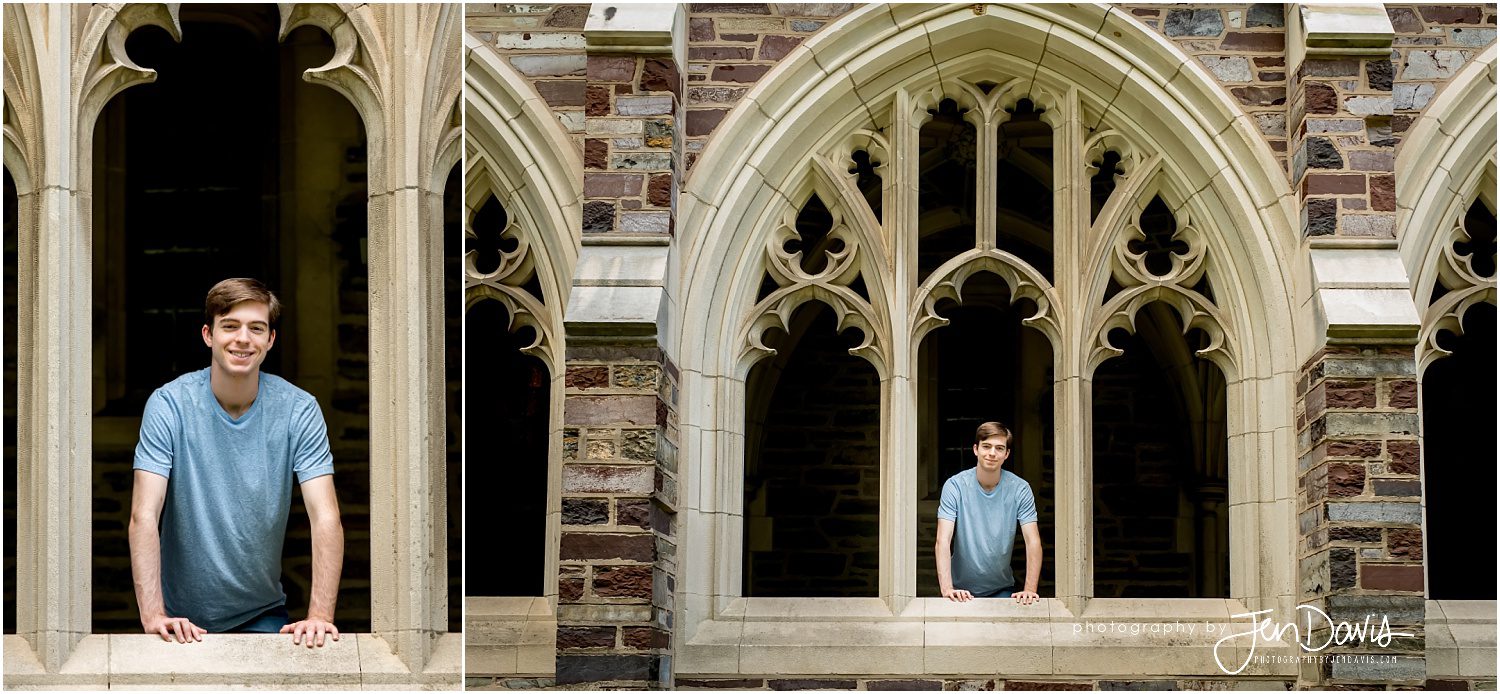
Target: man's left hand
x=310, y=631
x=1026, y=597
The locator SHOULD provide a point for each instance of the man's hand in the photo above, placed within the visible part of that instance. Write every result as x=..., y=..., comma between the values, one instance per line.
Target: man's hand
x=169, y=627
x=1026, y=597
x=310, y=631
x=957, y=594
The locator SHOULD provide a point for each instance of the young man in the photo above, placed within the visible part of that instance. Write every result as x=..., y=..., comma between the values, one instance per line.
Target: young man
x=213, y=485
x=983, y=507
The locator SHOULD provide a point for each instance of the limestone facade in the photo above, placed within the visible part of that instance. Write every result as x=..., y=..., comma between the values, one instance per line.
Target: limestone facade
x=1280, y=137
x=399, y=68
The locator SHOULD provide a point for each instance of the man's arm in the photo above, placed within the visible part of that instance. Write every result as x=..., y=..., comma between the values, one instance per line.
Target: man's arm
x=1033, y=564
x=146, y=498
x=328, y=562
x=943, y=553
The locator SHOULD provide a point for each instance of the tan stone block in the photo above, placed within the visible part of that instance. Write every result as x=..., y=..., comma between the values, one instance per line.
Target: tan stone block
x=536, y=660
x=251, y=659
x=489, y=660
x=1019, y=648
x=807, y=648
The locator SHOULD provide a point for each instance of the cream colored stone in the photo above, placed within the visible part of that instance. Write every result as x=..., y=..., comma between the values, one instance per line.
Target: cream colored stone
x=986, y=610
x=830, y=648
x=490, y=660
x=1007, y=648
x=414, y=144
x=812, y=609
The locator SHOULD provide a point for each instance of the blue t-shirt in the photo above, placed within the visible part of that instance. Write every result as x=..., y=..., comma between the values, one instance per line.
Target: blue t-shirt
x=984, y=529
x=225, y=514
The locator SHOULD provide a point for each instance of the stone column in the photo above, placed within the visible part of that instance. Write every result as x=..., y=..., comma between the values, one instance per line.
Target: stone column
x=1359, y=503
x=1360, y=511
x=411, y=148
x=617, y=558
x=1339, y=123
x=63, y=80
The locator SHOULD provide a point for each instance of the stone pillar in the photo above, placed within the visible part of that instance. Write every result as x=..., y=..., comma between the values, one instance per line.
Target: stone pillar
x=1359, y=489
x=412, y=147
x=617, y=557
x=1344, y=155
x=1360, y=510
x=63, y=79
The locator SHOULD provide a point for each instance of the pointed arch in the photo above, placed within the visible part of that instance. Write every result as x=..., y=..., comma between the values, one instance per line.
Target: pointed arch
x=1447, y=161
x=1089, y=69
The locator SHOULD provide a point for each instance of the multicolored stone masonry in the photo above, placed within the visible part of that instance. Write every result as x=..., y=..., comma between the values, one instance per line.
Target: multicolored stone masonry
x=544, y=43
x=1360, y=507
x=619, y=493
x=631, y=148
x=731, y=46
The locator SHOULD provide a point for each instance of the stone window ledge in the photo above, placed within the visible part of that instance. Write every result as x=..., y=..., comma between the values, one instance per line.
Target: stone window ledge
x=1460, y=639
x=863, y=636
x=254, y=661
x=511, y=637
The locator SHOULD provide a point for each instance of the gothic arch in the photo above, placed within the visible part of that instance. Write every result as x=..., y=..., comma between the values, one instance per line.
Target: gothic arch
x=1098, y=72
x=1447, y=161
x=398, y=65
x=518, y=152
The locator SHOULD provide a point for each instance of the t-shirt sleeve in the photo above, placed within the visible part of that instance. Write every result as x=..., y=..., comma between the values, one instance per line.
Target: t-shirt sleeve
x=948, y=504
x=310, y=456
x=158, y=442
x=1026, y=510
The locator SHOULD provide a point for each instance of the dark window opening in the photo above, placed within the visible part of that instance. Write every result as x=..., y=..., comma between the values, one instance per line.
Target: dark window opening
x=488, y=242
x=814, y=223
x=1023, y=195
x=1102, y=185
x=230, y=165
x=453, y=206
x=984, y=366
x=1161, y=511
x=867, y=180
x=12, y=472
x=812, y=465
x=947, y=188
x=1479, y=223
x=1458, y=460
x=1160, y=228
x=507, y=396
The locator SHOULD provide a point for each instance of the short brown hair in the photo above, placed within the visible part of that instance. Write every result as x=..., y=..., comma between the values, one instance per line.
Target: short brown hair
x=989, y=429
x=237, y=290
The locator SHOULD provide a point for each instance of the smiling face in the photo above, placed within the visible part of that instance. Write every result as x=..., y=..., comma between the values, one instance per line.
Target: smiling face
x=240, y=338
x=992, y=452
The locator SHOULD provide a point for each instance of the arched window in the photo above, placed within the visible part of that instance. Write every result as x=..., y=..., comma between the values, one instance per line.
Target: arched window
x=507, y=396
x=1036, y=251
x=1457, y=362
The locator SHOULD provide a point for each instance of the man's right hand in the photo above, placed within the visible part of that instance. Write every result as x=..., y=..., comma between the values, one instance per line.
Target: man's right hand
x=169, y=628
x=957, y=595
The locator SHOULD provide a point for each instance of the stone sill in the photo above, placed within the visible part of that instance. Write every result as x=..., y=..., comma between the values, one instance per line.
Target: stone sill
x=510, y=637
x=1461, y=639
x=239, y=661
x=932, y=636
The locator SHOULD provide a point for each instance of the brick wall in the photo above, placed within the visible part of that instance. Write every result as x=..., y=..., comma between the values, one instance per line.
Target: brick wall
x=631, y=150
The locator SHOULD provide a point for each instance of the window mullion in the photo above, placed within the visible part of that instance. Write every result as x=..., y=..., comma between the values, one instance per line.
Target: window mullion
x=987, y=122
x=1073, y=453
